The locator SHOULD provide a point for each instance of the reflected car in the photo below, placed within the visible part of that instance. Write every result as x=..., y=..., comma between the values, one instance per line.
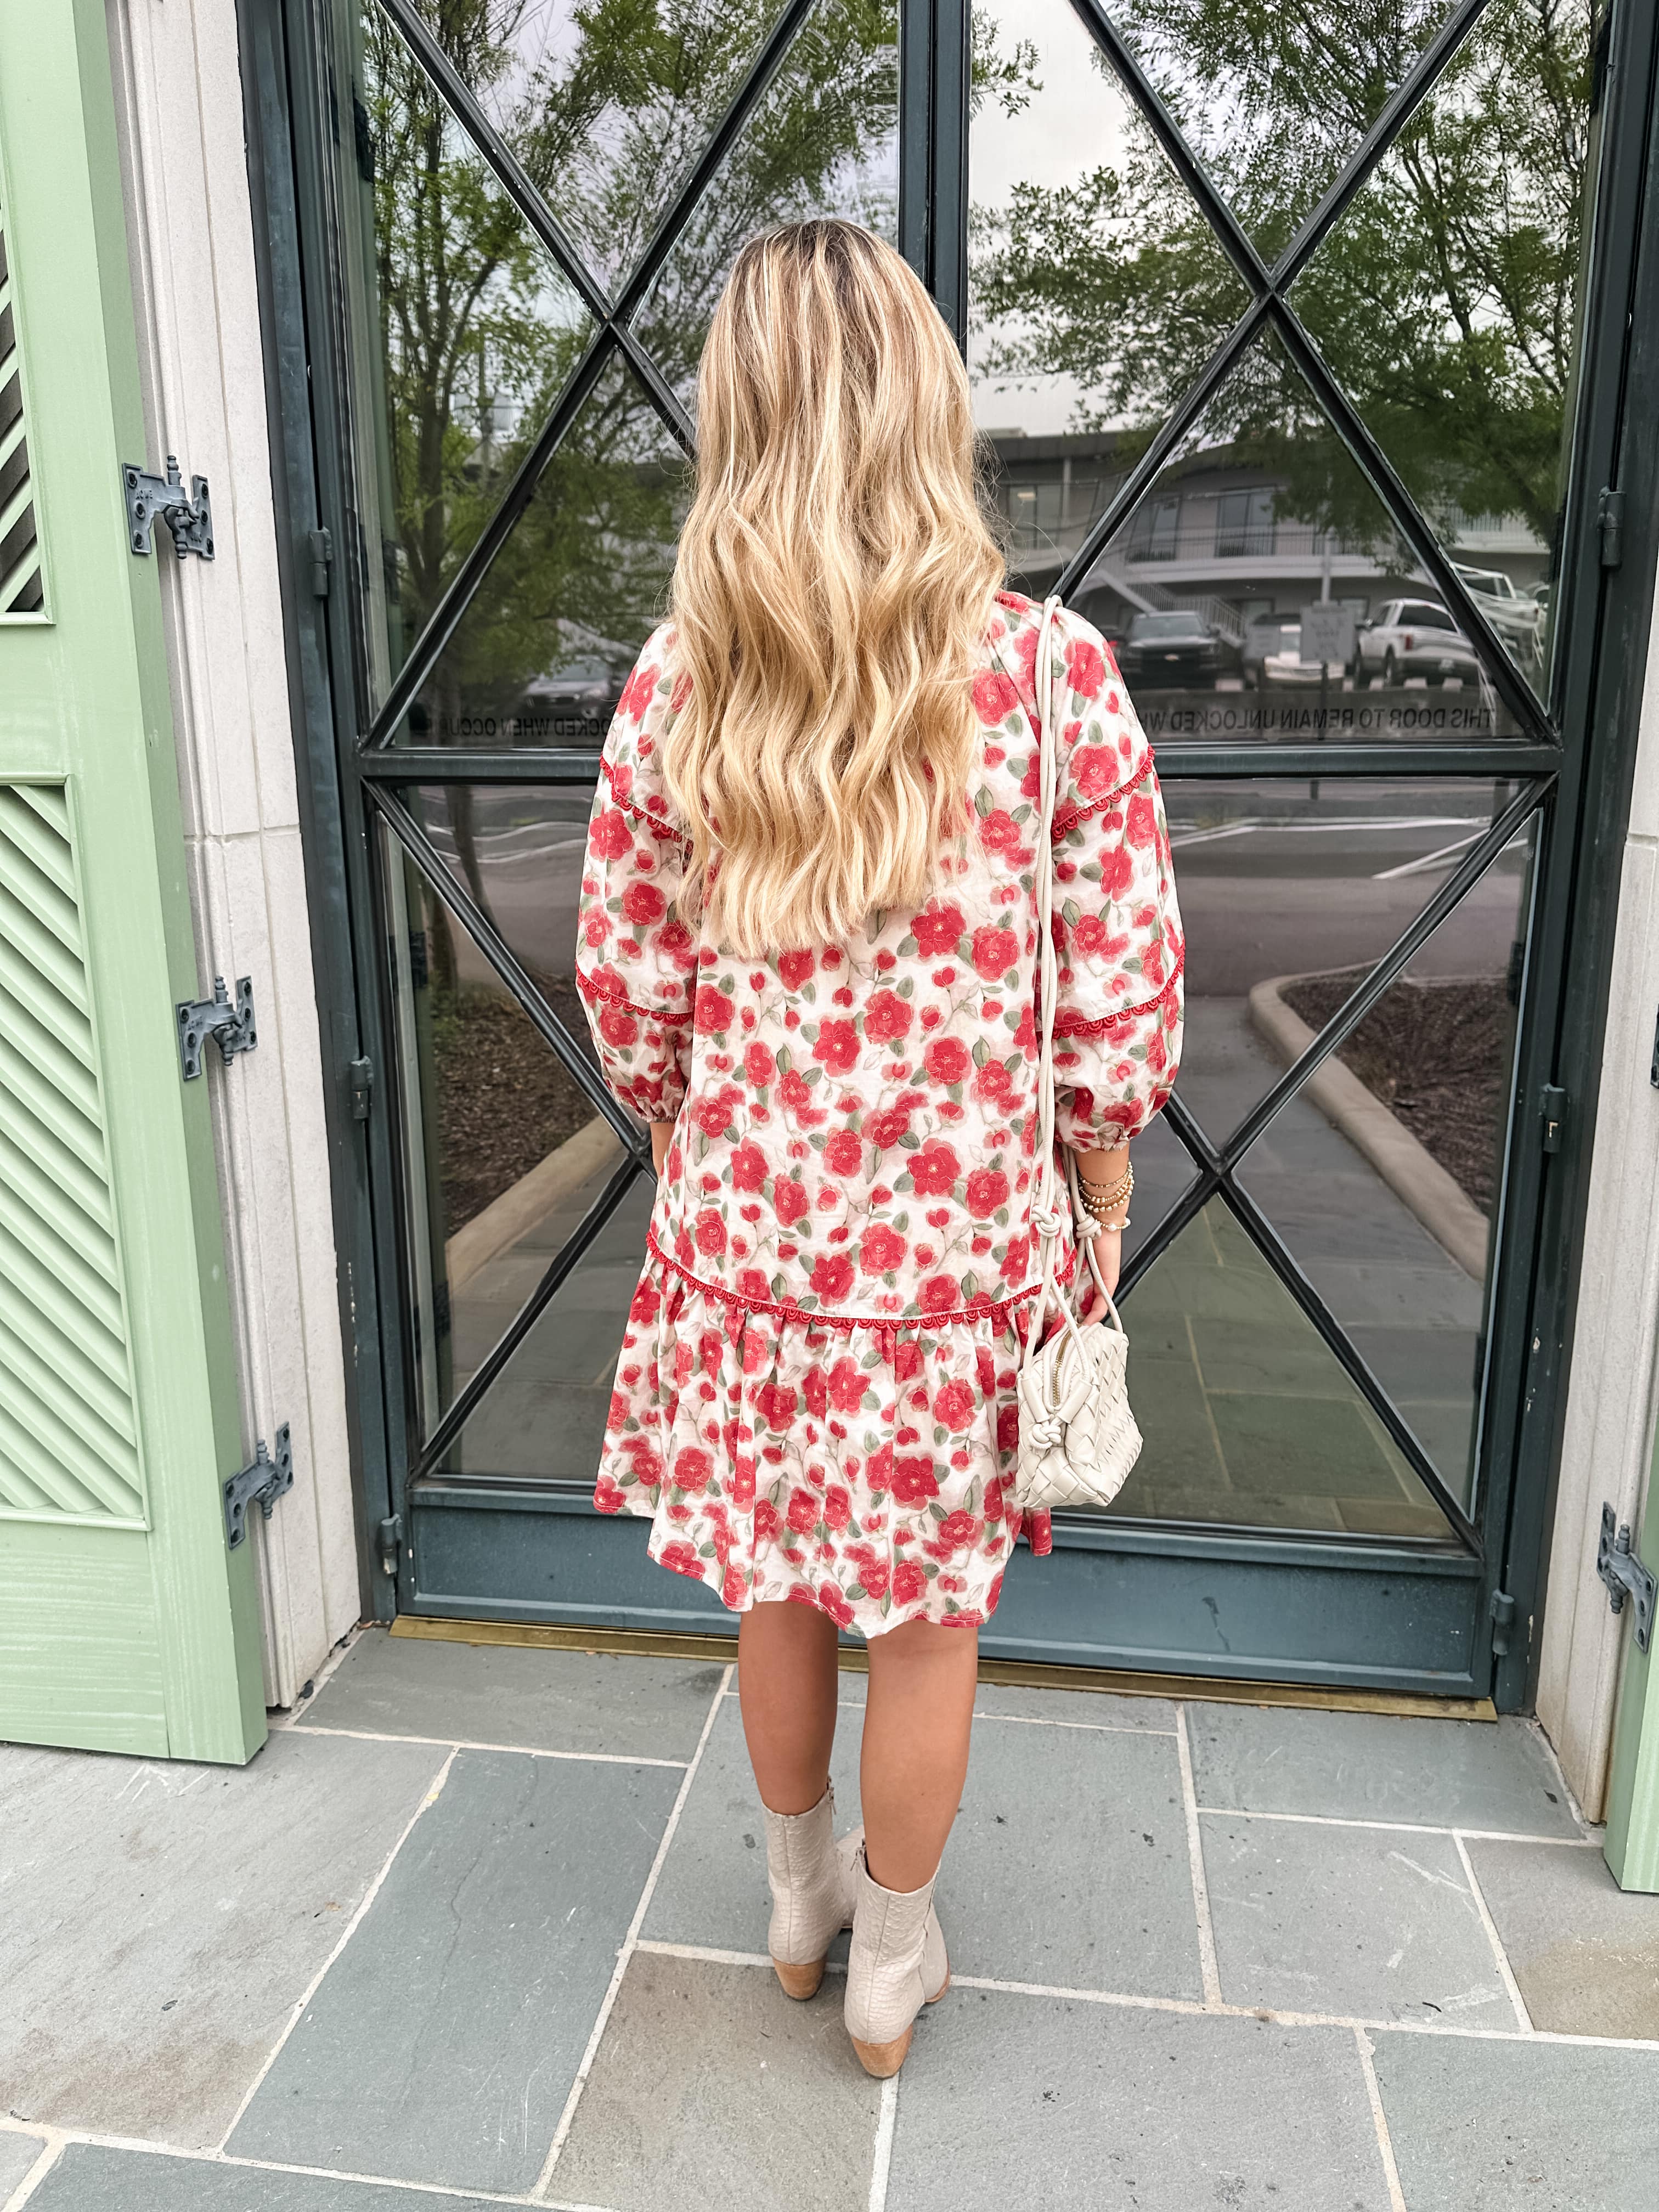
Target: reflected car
x=1415, y=637
x=572, y=706
x=1517, y=616
x=1178, y=647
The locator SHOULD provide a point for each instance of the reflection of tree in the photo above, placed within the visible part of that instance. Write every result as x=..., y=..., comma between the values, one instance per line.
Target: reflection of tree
x=1444, y=301
x=607, y=111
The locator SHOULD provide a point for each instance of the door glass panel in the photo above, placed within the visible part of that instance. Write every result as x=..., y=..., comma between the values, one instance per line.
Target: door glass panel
x=1278, y=878
x=517, y=851
x=1086, y=323
x=1274, y=100
x=1446, y=302
x=1261, y=524
x=545, y=646
x=1383, y=1173
x=462, y=332
x=1164, y=1170
x=544, y=1417
x=606, y=113
x=503, y=1149
x=1246, y=1416
x=823, y=140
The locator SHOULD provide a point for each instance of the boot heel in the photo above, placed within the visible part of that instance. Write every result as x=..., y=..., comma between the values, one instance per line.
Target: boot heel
x=799, y=1981
x=884, y=2059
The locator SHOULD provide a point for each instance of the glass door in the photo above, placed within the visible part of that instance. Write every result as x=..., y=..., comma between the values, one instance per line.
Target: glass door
x=1274, y=330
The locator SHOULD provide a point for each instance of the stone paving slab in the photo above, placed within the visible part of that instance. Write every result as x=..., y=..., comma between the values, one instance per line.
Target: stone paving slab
x=1486, y=2126
x=198, y=1902
x=1011, y=2104
x=497, y=1693
x=1584, y=1952
x=713, y=2091
x=1377, y=1767
x=1068, y=1864
x=1363, y=1923
x=711, y=1890
x=444, y=2041
x=89, y=2178
x=17, y=2154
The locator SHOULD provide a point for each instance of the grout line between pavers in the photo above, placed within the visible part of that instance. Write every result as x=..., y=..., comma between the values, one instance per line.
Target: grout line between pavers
x=707, y=1954
x=1403, y=1827
x=61, y=2138
x=1088, y=1728
x=1505, y=1973
x=629, y=1944
x=1380, y=2122
x=1111, y=1997
x=1026, y=1720
x=1206, y=1958
x=467, y=1743
x=882, y=2164
x=433, y=1791
x=52, y=2149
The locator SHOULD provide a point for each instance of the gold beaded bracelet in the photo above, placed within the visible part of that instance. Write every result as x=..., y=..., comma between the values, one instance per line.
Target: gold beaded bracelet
x=1099, y=1201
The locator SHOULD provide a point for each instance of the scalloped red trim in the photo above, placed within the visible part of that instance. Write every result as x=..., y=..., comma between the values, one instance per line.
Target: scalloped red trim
x=1065, y=1027
x=1064, y=823
x=658, y=827
x=999, y=1311
x=589, y=989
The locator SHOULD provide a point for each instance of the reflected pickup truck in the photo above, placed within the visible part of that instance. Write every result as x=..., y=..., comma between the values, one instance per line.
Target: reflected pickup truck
x=1415, y=637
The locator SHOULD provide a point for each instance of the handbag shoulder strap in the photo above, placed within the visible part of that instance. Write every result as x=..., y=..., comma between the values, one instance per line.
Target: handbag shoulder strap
x=1045, y=1217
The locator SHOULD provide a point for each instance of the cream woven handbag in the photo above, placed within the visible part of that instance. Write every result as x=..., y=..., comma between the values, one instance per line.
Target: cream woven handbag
x=1078, y=1438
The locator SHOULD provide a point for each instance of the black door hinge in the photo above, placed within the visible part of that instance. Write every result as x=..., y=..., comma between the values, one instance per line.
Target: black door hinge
x=231, y=1028
x=1555, y=1117
x=1503, y=1620
x=1653, y=1073
x=1610, y=521
x=260, y=1484
x=322, y=556
x=390, y=1538
x=360, y=1077
x=1625, y=1576
x=152, y=499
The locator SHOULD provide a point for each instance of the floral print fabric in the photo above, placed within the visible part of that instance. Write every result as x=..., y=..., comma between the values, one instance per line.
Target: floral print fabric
x=816, y=1395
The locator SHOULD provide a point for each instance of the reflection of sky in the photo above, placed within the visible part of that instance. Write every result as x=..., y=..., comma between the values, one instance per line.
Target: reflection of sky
x=1073, y=124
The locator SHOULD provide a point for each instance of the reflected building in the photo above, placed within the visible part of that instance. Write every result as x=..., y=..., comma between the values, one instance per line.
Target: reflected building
x=1214, y=540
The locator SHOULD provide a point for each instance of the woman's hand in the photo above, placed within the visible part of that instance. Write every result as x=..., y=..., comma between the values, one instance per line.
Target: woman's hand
x=662, y=1135
x=1108, y=1256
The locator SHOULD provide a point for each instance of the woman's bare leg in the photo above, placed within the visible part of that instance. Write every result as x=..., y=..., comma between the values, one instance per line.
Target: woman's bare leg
x=916, y=1748
x=786, y=1683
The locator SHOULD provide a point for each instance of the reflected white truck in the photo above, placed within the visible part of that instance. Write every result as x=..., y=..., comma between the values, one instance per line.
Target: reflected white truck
x=1415, y=637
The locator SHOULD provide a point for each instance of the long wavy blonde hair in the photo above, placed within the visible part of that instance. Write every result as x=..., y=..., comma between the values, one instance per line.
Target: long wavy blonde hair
x=833, y=588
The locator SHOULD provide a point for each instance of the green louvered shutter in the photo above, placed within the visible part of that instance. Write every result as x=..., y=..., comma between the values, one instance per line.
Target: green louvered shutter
x=126, y=1621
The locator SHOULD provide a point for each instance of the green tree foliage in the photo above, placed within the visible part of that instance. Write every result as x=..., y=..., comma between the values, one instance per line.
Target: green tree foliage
x=606, y=104
x=1444, y=301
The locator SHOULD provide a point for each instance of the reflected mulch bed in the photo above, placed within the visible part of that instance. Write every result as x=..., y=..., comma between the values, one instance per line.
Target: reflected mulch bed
x=1436, y=1054
x=504, y=1102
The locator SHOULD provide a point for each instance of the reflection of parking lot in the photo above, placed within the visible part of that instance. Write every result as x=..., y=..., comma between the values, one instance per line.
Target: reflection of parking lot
x=1273, y=881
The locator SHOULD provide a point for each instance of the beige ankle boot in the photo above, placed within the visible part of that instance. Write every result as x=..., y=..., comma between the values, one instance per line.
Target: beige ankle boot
x=811, y=1879
x=897, y=1965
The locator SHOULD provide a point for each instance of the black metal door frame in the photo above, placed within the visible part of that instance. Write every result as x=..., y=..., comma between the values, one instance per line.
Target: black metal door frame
x=1581, y=791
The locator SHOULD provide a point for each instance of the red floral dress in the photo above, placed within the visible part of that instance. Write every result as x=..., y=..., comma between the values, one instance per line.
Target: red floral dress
x=816, y=1396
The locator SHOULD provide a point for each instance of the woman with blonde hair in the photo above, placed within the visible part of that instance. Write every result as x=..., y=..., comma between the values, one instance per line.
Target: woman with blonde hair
x=807, y=945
